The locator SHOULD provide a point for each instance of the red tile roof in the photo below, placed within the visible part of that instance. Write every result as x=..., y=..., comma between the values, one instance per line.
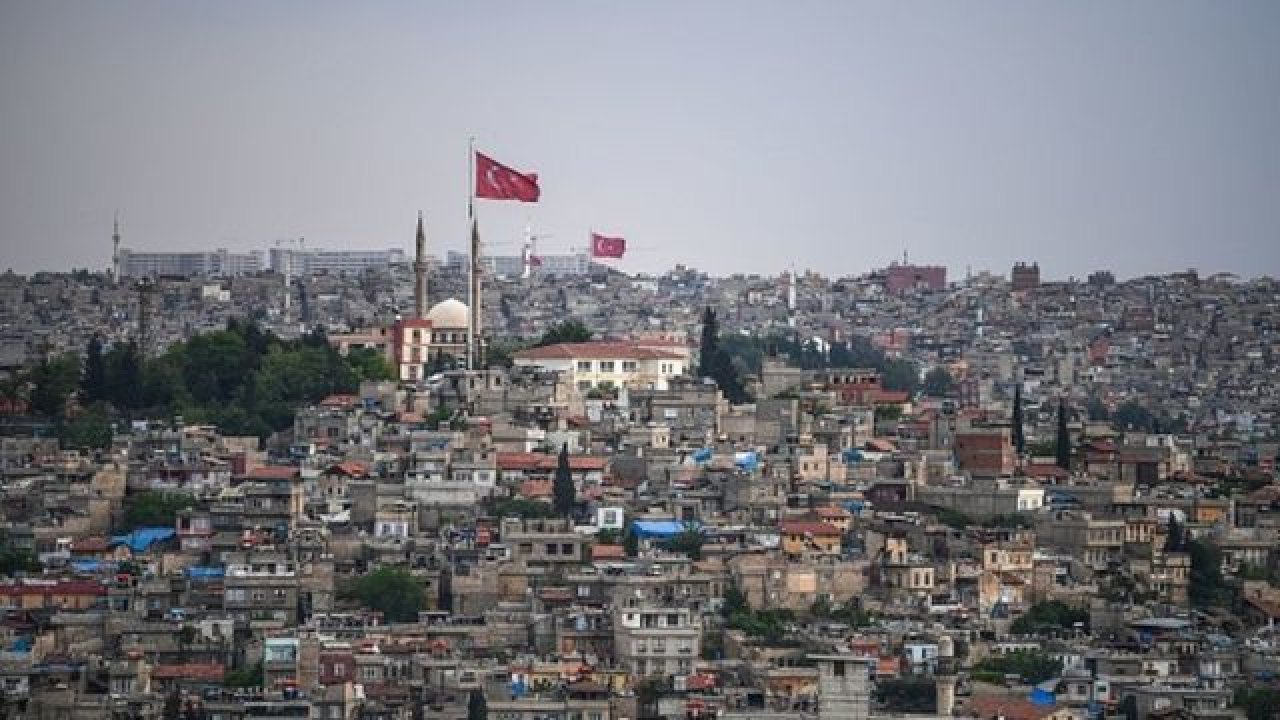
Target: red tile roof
x=533, y=489
x=339, y=400
x=545, y=462
x=596, y=350
x=809, y=527
x=1008, y=707
x=271, y=472
x=608, y=552
x=350, y=468
x=90, y=545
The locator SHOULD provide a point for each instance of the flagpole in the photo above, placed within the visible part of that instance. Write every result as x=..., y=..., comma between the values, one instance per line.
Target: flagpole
x=471, y=239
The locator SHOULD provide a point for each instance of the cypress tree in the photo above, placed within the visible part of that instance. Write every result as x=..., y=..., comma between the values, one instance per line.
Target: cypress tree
x=1019, y=436
x=1064, y=438
x=710, y=346
x=562, y=490
x=94, y=384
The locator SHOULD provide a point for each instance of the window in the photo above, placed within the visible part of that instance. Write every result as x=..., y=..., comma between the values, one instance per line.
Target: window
x=606, y=366
x=584, y=366
x=566, y=549
x=839, y=668
x=628, y=366
x=551, y=548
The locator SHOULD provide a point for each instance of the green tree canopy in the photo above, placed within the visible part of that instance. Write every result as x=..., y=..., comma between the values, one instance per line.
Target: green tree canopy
x=687, y=542
x=370, y=364
x=93, y=386
x=393, y=591
x=1032, y=666
x=53, y=382
x=938, y=382
x=154, y=508
x=568, y=331
x=1049, y=616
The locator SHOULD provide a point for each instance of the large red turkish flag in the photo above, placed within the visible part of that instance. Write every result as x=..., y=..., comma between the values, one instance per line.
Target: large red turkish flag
x=603, y=246
x=495, y=181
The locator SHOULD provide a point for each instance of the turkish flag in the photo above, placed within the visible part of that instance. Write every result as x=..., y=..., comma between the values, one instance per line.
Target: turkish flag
x=603, y=246
x=495, y=181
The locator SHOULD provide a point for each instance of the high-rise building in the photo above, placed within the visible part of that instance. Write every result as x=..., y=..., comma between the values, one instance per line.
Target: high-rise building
x=899, y=278
x=301, y=261
x=219, y=263
x=1025, y=277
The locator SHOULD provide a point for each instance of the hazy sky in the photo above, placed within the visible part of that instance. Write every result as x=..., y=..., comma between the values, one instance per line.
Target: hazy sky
x=734, y=136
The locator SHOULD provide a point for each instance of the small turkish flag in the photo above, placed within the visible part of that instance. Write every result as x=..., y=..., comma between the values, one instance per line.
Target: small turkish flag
x=603, y=246
x=495, y=181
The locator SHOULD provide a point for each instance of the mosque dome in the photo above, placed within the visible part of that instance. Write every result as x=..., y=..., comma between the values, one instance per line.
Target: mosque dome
x=449, y=313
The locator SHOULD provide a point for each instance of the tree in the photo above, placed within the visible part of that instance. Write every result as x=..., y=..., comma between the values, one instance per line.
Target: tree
x=1063, y=438
x=569, y=331
x=900, y=375
x=938, y=382
x=14, y=559
x=243, y=677
x=1033, y=666
x=911, y=694
x=688, y=542
x=735, y=601
x=1048, y=616
x=93, y=386
x=153, y=508
x=1207, y=587
x=1258, y=702
x=124, y=384
x=369, y=364
x=54, y=381
x=710, y=344
x=714, y=362
x=91, y=430
x=1174, y=540
x=477, y=706
x=631, y=542
x=1019, y=434
x=390, y=590
x=562, y=491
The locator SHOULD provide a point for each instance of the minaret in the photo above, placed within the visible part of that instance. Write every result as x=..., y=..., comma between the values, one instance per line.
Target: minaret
x=526, y=254
x=420, y=274
x=115, y=249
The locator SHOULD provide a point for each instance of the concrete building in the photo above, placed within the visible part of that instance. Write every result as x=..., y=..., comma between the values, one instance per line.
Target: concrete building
x=301, y=261
x=605, y=365
x=219, y=263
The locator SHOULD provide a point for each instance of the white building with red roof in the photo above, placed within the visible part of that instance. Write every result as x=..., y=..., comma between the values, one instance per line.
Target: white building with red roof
x=600, y=365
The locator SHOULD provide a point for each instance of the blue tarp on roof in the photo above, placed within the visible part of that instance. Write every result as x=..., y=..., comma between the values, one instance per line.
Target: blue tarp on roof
x=702, y=455
x=659, y=528
x=142, y=539
x=205, y=571
x=852, y=456
x=1043, y=697
x=746, y=460
x=88, y=566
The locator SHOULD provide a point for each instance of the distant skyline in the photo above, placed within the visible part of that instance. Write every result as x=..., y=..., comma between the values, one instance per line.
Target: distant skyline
x=1139, y=137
